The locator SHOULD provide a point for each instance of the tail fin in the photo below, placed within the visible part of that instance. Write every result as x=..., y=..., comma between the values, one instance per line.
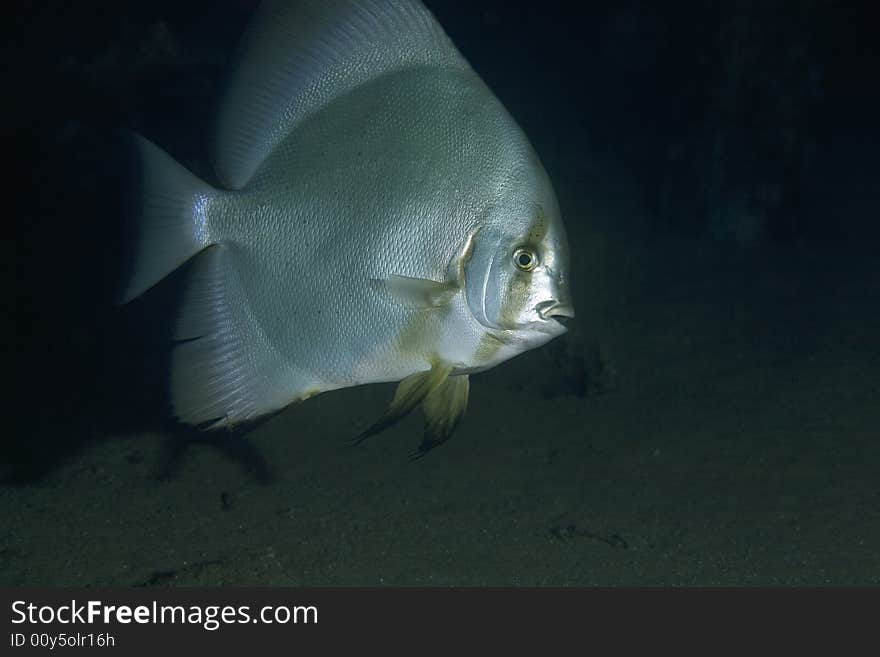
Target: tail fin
x=169, y=218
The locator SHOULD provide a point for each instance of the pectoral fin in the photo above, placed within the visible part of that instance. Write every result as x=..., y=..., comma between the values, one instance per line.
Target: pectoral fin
x=411, y=391
x=420, y=292
x=443, y=409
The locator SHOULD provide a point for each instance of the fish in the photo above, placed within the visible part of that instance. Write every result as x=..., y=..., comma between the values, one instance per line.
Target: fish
x=378, y=216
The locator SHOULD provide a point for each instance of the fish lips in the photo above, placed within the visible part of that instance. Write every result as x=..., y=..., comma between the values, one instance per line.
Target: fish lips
x=551, y=319
x=553, y=310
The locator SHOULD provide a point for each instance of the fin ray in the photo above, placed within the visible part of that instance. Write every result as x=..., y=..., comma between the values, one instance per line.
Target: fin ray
x=443, y=409
x=296, y=56
x=420, y=292
x=226, y=371
x=409, y=394
x=170, y=223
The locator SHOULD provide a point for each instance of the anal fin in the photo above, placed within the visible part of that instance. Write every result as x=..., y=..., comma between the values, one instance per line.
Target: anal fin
x=225, y=371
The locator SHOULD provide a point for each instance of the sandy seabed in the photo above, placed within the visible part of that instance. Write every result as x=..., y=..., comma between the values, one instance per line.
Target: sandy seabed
x=729, y=435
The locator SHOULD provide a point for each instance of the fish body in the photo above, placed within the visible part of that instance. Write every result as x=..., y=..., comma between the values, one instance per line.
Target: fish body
x=377, y=197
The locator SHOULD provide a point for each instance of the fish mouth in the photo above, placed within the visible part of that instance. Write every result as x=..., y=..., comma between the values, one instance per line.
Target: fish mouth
x=554, y=310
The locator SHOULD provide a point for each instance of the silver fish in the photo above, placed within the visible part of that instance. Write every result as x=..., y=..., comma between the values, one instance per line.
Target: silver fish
x=380, y=217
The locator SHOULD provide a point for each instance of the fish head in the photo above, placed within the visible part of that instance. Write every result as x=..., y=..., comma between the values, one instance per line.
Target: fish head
x=516, y=275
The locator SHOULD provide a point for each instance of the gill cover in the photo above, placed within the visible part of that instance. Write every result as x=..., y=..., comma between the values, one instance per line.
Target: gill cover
x=483, y=284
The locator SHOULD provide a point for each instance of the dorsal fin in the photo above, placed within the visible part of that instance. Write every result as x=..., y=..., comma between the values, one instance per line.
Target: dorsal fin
x=298, y=55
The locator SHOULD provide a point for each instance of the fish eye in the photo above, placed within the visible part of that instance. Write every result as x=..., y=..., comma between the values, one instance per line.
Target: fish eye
x=525, y=259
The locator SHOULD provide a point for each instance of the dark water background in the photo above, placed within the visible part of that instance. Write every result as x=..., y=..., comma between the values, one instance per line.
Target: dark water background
x=712, y=417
